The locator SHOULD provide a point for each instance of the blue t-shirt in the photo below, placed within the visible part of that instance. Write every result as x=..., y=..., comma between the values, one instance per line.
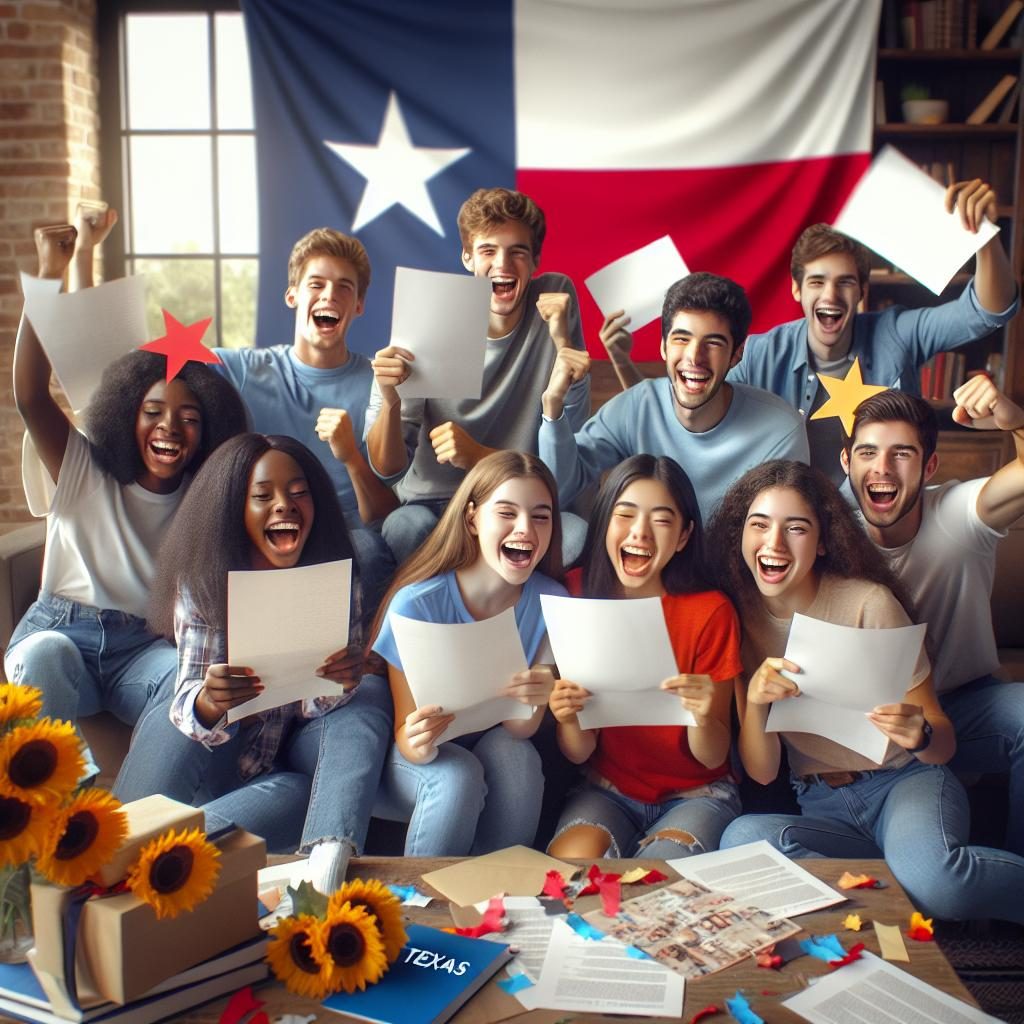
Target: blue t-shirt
x=285, y=396
x=439, y=600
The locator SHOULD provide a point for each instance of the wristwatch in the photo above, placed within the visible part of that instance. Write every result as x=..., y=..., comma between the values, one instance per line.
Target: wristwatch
x=926, y=738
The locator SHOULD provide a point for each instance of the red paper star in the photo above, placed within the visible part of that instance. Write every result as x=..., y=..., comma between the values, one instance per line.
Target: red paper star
x=181, y=344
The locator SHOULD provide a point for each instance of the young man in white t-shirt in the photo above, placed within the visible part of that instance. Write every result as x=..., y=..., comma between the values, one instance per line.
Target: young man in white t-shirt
x=941, y=541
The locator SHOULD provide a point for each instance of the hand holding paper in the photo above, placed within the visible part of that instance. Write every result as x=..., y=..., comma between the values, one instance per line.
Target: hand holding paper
x=768, y=684
x=423, y=729
x=567, y=700
x=975, y=201
x=695, y=693
x=391, y=367
x=617, y=341
x=224, y=688
x=902, y=723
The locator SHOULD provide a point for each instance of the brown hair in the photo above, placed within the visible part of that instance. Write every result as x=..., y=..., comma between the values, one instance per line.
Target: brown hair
x=898, y=407
x=487, y=208
x=328, y=242
x=849, y=553
x=702, y=292
x=821, y=240
x=451, y=546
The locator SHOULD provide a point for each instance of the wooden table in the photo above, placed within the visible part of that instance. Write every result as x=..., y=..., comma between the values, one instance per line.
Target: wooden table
x=889, y=905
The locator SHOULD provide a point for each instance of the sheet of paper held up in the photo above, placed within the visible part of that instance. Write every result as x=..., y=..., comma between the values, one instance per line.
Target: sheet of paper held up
x=83, y=332
x=282, y=623
x=586, y=637
x=869, y=989
x=442, y=319
x=463, y=667
x=758, y=875
x=845, y=672
x=899, y=211
x=637, y=282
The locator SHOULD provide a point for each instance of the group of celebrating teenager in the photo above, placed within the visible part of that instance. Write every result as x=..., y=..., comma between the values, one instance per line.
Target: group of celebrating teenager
x=715, y=500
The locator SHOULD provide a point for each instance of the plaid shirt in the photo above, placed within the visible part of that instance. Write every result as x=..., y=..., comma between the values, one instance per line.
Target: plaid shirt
x=199, y=647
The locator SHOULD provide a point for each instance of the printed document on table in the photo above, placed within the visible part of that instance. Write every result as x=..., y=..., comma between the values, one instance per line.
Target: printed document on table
x=463, y=667
x=527, y=930
x=84, y=332
x=442, y=319
x=282, y=623
x=624, y=678
x=638, y=281
x=583, y=974
x=758, y=875
x=869, y=989
x=899, y=211
x=844, y=673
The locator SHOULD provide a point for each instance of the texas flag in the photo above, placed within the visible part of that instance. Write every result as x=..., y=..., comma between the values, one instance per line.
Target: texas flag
x=729, y=125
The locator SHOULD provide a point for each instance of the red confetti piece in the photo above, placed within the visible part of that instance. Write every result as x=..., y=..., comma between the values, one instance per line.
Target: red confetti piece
x=853, y=954
x=769, y=960
x=554, y=886
x=708, y=1011
x=652, y=876
x=241, y=1003
x=493, y=920
x=921, y=935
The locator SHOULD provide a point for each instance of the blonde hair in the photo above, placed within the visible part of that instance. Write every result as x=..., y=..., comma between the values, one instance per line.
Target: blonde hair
x=328, y=242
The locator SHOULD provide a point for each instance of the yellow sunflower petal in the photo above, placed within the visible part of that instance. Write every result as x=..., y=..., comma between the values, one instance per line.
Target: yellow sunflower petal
x=291, y=958
x=18, y=703
x=382, y=903
x=23, y=829
x=85, y=834
x=40, y=762
x=353, y=947
x=175, y=872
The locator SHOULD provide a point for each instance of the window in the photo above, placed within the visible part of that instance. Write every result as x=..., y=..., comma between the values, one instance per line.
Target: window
x=181, y=165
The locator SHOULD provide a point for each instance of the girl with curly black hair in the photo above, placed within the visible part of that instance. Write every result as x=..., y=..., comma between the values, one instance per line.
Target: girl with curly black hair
x=787, y=542
x=84, y=642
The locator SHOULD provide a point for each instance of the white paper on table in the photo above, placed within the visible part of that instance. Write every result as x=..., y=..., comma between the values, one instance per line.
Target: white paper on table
x=637, y=282
x=442, y=319
x=586, y=637
x=463, y=667
x=584, y=974
x=84, y=332
x=899, y=211
x=845, y=672
x=282, y=623
x=871, y=989
x=757, y=875
x=528, y=930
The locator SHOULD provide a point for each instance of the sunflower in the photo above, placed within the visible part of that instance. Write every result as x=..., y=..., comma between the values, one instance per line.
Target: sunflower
x=23, y=829
x=175, y=872
x=18, y=703
x=41, y=762
x=291, y=957
x=352, y=946
x=379, y=901
x=85, y=835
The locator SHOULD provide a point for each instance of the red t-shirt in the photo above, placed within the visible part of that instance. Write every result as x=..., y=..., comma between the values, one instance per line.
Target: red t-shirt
x=651, y=762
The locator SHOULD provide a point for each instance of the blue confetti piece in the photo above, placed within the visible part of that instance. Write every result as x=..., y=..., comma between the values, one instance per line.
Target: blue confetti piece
x=515, y=983
x=823, y=947
x=637, y=954
x=740, y=1010
x=584, y=928
x=404, y=892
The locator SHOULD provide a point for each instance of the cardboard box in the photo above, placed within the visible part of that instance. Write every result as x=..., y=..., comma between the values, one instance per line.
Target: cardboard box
x=124, y=950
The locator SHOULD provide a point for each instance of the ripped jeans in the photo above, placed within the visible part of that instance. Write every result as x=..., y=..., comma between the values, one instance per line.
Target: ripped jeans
x=704, y=814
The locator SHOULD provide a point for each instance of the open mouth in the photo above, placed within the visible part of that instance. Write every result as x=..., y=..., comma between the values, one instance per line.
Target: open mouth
x=882, y=495
x=283, y=536
x=325, y=318
x=772, y=569
x=694, y=381
x=830, y=317
x=166, y=452
x=635, y=560
x=519, y=553
x=503, y=287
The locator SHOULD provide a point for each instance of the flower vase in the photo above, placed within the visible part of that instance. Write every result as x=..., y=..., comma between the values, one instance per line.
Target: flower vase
x=15, y=914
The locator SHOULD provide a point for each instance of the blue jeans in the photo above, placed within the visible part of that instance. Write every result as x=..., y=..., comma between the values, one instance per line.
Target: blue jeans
x=988, y=715
x=917, y=818
x=375, y=561
x=481, y=793
x=630, y=822
x=87, y=659
x=321, y=788
x=408, y=526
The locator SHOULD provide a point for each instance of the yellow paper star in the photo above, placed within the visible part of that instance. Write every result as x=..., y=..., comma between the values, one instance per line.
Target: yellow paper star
x=853, y=922
x=844, y=395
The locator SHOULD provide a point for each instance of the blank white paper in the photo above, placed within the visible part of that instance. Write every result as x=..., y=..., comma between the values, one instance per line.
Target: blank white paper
x=442, y=319
x=899, y=211
x=638, y=281
x=282, y=623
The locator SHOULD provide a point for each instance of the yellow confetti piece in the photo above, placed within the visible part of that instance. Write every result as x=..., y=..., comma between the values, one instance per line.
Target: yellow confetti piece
x=634, y=876
x=848, y=881
x=853, y=922
x=918, y=920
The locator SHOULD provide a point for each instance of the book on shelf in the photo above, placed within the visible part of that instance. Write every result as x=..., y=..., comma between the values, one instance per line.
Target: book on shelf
x=942, y=375
x=1003, y=25
x=435, y=973
x=983, y=111
x=1006, y=115
x=21, y=995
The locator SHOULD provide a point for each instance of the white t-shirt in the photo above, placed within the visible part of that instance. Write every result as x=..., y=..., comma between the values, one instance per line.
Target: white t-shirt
x=949, y=568
x=101, y=536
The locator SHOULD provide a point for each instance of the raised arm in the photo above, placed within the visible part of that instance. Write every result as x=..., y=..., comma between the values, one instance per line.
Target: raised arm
x=44, y=419
x=993, y=281
x=384, y=441
x=374, y=498
x=94, y=222
x=618, y=343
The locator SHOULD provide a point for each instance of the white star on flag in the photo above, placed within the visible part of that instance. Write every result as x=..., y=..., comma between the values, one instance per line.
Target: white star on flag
x=396, y=171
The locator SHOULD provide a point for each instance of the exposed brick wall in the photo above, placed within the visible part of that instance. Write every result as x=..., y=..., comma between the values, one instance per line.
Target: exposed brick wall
x=49, y=159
